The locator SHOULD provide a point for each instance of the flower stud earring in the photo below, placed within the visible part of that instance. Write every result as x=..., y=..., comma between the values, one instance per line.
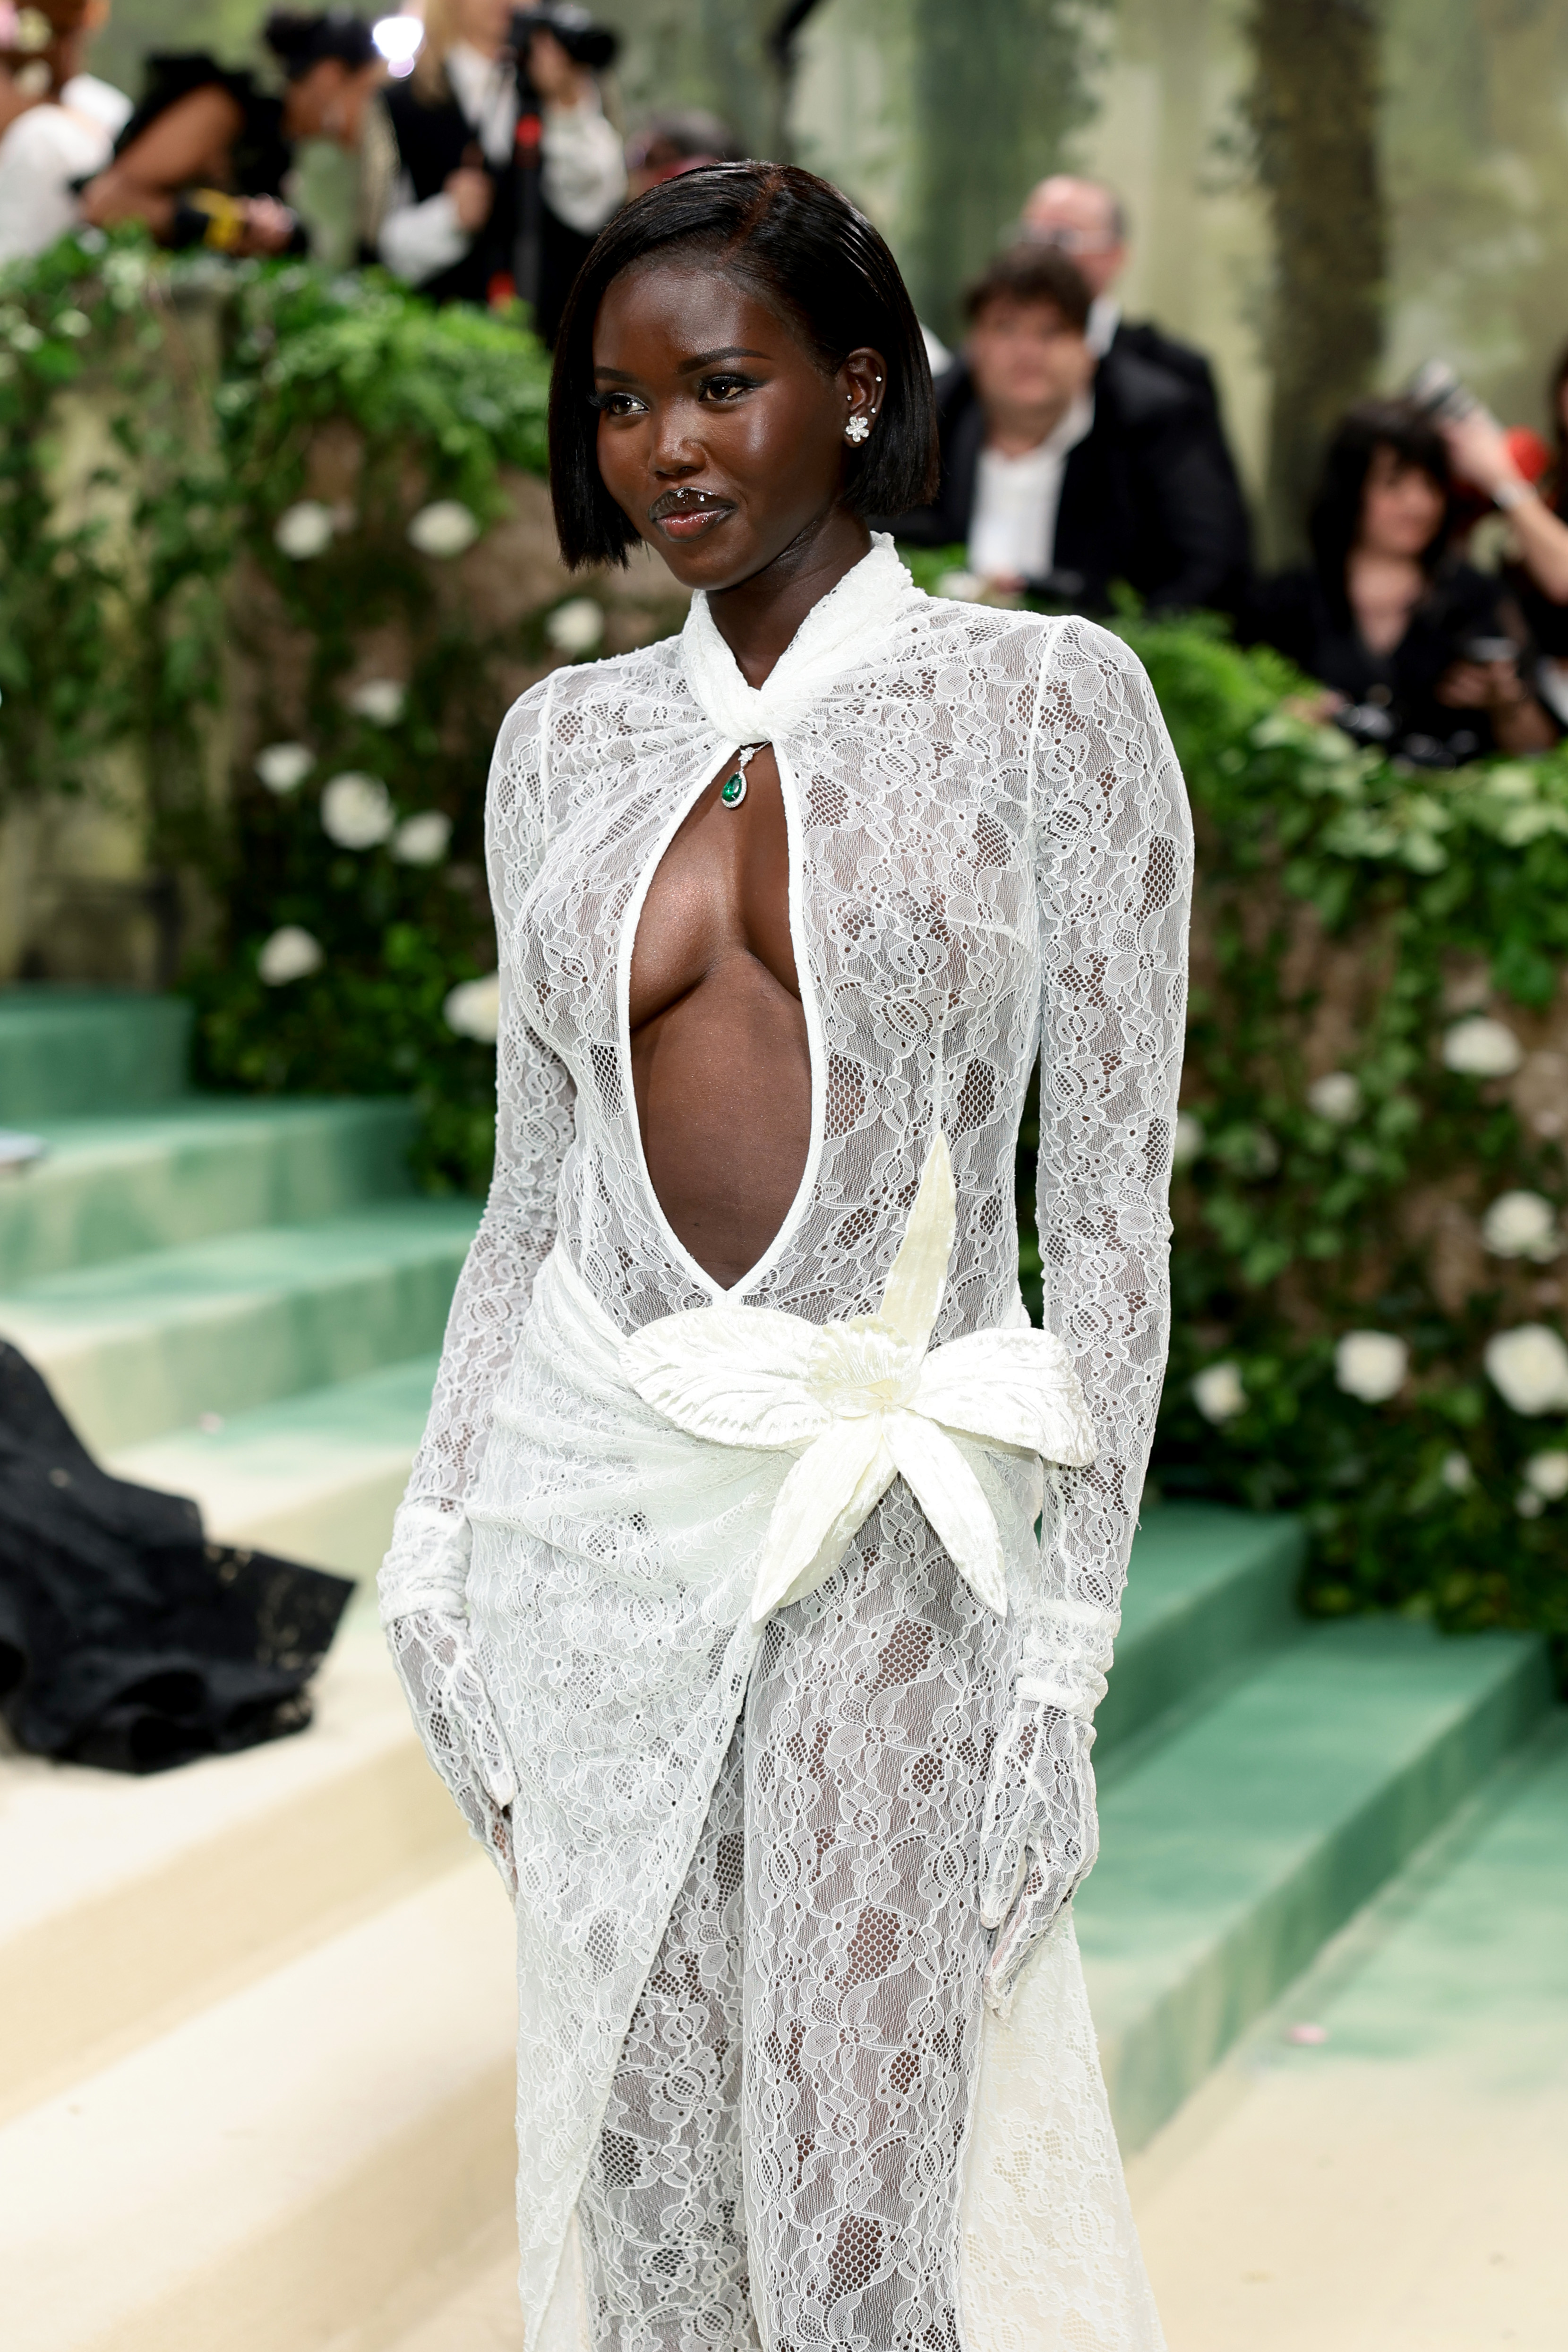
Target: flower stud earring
x=857, y=429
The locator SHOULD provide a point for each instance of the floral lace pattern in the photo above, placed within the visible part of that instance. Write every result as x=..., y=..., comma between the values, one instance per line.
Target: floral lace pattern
x=990, y=863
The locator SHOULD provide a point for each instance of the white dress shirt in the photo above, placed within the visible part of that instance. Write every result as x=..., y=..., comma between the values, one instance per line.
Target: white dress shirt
x=1013, y=530
x=1104, y=318
x=583, y=168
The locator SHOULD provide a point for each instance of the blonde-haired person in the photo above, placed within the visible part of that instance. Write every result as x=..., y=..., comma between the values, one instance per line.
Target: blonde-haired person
x=58, y=124
x=451, y=227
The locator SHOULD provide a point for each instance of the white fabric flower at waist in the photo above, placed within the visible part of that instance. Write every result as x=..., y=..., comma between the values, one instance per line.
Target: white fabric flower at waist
x=865, y=1402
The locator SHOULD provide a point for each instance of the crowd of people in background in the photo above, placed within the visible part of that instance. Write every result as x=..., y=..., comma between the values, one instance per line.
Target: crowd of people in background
x=1082, y=453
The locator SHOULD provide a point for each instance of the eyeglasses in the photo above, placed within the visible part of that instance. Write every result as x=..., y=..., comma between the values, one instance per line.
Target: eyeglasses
x=1071, y=240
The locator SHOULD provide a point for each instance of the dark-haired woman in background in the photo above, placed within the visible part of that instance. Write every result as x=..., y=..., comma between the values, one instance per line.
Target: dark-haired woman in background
x=1415, y=649
x=203, y=158
x=717, y=1592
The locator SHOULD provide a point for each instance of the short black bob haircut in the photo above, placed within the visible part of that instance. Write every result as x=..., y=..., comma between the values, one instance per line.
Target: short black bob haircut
x=806, y=252
x=301, y=42
x=1334, y=523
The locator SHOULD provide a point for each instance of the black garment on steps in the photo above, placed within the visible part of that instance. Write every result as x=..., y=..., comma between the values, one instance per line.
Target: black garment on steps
x=126, y=1639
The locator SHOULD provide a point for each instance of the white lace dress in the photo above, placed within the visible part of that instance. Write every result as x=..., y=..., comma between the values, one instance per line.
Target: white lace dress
x=761, y=2102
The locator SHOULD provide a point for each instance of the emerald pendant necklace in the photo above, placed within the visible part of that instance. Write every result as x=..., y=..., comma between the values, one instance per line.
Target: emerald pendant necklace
x=733, y=791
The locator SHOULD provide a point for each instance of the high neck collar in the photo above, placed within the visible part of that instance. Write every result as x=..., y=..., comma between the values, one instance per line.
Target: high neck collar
x=844, y=628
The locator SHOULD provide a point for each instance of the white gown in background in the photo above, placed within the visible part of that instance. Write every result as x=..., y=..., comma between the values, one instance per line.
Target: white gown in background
x=45, y=153
x=990, y=863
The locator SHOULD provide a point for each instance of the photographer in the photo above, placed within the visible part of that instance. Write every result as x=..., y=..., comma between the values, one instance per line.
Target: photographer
x=205, y=158
x=463, y=189
x=1414, y=650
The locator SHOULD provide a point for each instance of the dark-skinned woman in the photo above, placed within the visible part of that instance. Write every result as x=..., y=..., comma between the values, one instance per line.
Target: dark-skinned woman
x=1417, y=652
x=203, y=158
x=717, y=1592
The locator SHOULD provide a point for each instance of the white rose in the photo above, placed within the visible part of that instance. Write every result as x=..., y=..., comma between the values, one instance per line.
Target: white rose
x=1336, y=1097
x=356, y=811
x=576, y=627
x=1547, y=1475
x=283, y=767
x=1187, y=1140
x=288, y=954
x=1457, y=1474
x=444, y=529
x=1521, y=1224
x=1218, y=1393
x=304, y=529
x=1371, y=1365
x=421, y=840
x=1481, y=1047
x=380, y=699
x=1529, y=1369
x=473, y=1010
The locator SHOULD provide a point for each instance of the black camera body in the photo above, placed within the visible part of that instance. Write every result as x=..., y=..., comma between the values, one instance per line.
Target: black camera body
x=586, y=43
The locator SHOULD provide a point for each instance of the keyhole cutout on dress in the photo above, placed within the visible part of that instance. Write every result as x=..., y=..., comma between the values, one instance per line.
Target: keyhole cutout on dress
x=720, y=1058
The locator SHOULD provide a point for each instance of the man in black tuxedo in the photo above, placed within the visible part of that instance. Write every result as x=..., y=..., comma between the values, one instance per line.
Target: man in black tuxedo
x=1066, y=474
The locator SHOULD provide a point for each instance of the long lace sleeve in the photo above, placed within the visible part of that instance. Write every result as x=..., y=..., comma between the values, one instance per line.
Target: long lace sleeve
x=1115, y=884
x=427, y=1564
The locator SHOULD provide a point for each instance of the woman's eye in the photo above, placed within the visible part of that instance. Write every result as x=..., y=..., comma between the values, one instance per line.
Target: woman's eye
x=615, y=403
x=723, y=388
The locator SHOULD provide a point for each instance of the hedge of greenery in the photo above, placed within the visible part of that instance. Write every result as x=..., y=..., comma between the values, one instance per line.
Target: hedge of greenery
x=1370, y=1200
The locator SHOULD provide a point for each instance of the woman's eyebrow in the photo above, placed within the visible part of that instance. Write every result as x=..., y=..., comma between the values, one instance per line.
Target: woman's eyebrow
x=729, y=351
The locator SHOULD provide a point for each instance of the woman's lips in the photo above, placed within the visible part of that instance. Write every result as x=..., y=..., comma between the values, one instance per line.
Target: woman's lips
x=690, y=520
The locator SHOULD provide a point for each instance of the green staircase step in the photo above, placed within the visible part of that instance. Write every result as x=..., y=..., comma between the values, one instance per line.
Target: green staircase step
x=1209, y=1590
x=1238, y=1844
x=160, y=1180
x=316, y=1476
x=68, y=1051
x=153, y=1343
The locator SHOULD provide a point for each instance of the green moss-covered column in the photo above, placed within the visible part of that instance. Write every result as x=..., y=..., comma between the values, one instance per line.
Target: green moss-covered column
x=1314, y=108
x=998, y=85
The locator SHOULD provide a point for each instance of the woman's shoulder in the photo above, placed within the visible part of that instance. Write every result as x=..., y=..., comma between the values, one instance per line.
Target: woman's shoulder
x=171, y=77
x=566, y=697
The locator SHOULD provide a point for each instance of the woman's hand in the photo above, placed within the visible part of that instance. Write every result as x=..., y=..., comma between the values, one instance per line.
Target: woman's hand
x=473, y=195
x=1480, y=453
x=1039, y=1836
x=435, y=1663
x=269, y=226
x=1518, y=722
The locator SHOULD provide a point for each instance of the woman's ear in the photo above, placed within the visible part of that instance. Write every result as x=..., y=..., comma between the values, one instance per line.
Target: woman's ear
x=862, y=381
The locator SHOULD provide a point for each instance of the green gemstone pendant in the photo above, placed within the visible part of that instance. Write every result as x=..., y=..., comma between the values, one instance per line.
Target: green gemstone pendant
x=733, y=791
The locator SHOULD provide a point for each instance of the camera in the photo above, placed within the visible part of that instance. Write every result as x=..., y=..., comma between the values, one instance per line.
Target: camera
x=586, y=43
x=1436, y=388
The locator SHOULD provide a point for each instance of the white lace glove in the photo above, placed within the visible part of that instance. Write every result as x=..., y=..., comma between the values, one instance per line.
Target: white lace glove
x=1040, y=1836
x=433, y=1653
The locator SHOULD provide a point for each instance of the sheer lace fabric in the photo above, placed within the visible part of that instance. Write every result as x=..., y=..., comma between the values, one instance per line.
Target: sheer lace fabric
x=990, y=862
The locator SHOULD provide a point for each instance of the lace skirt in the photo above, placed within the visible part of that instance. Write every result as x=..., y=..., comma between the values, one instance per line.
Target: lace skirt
x=612, y=1564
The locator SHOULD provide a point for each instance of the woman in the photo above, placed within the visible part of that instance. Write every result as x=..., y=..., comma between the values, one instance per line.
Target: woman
x=717, y=1597
x=1416, y=650
x=57, y=125
x=203, y=158
x=451, y=227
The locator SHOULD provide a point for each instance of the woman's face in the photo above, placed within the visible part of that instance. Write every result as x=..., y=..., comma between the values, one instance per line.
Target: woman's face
x=721, y=437
x=1402, y=507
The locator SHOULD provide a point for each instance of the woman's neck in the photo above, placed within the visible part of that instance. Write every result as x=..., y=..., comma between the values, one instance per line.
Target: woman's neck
x=758, y=617
x=1383, y=591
